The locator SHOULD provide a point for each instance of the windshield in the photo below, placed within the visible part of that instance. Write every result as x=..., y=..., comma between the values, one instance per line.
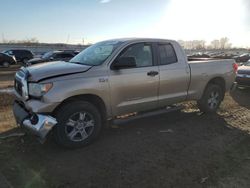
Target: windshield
x=47, y=55
x=7, y=52
x=96, y=54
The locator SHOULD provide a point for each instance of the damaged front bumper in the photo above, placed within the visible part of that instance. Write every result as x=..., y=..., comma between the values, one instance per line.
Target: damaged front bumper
x=38, y=124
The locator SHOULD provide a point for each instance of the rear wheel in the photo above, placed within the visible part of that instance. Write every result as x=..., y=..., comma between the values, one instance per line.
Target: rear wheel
x=25, y=61
x=6, y=64
x=211, y=99
x=79, y=124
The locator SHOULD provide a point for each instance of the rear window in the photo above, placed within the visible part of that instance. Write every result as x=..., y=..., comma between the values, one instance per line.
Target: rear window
x=167, y=54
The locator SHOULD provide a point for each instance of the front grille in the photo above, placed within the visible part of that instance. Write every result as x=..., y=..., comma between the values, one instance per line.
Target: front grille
x=18, y=87
x=21, y=86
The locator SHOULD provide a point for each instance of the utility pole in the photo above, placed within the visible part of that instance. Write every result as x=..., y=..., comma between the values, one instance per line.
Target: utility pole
x=68, y=39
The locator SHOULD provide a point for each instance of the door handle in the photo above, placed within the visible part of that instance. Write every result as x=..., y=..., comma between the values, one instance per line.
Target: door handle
x=152, y=73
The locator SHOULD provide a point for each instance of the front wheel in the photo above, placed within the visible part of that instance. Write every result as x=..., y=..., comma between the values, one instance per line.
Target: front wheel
x=211, y=99
x=79, y=124
x=25, y=61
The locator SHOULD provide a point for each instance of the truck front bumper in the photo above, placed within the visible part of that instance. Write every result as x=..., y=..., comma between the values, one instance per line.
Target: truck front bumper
x=38, y=124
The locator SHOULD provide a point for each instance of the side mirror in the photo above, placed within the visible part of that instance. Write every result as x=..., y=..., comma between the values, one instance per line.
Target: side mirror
x=124, y=62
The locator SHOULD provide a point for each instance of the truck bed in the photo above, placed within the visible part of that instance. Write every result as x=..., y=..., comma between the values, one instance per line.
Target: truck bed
x=203, y=70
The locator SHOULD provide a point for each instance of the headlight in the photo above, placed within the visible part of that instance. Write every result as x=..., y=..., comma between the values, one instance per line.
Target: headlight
x=38, y=90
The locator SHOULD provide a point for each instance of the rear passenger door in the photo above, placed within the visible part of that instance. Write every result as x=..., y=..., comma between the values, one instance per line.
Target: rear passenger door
x=174, y=75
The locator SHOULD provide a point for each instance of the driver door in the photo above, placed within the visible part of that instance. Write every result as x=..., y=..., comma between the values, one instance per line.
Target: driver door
x=135, y=89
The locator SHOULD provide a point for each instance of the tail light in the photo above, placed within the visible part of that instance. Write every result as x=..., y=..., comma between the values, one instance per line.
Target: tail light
x=235, y=67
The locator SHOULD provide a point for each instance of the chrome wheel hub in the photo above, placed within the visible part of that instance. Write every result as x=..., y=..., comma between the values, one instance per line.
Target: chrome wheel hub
x=213, y=100
x=79, y=126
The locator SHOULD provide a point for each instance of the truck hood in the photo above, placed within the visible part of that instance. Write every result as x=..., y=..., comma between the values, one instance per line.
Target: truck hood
x=54, y=69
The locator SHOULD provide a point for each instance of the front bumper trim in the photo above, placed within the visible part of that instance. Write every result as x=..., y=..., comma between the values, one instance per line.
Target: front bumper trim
x=42, y=127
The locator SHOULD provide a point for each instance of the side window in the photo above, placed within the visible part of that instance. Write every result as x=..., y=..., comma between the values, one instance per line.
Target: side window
x=10, y=52
x=66, y=55
x=142, y=54
x=167, y=54
x=57, y=55
x=25, y=53
x=17, y=53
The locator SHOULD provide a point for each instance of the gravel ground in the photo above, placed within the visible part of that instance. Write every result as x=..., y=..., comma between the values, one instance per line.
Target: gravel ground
x=178, y=149
x=7, y=76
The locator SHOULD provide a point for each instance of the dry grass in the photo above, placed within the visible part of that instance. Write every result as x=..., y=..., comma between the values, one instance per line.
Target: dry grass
x=7, y=121
x=6, y=99
x=7, y=76
x=6, y=84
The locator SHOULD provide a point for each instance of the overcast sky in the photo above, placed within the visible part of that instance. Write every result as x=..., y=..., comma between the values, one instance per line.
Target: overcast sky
x=94, y=20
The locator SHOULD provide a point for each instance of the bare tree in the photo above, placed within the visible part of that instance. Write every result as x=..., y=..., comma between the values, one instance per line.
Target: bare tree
x=193, y=44
x=215, y=44
x=224, y=43
x=25, y=41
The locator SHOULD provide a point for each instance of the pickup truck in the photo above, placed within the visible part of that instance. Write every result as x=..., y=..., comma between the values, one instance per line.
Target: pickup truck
x=110, y=79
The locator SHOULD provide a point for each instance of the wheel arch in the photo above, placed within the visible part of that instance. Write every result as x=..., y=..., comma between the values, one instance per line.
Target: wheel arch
x=91, y=98
x=220, y=81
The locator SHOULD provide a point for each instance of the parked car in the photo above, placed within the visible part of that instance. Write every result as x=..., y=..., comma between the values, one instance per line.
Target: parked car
x=111, y=79
x=243, y=58
x=243, y=75
x=6, y=60
x=73, y=51
x=65, y=55
x=199, y=55
x=21, y=55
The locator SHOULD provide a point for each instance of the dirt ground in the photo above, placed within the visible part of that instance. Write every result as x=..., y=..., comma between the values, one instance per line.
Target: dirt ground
x=7, y=76
x=178, y=149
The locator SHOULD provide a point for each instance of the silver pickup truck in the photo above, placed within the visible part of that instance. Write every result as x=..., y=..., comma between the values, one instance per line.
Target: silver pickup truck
x=114, y=78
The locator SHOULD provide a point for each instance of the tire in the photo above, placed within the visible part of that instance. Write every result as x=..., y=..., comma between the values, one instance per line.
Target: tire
x=211, y=99
x=27, y=64
x=79, y=124
x=6, y=64
x=25, y=61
